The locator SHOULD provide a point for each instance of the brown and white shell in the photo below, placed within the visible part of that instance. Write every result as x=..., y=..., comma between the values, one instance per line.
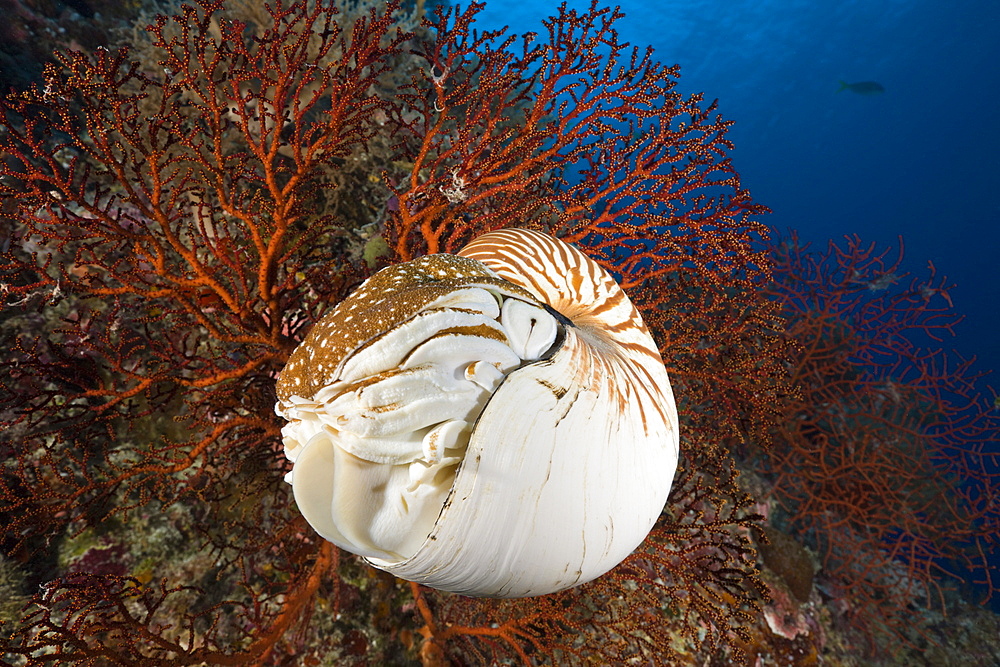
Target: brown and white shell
x=497, y=423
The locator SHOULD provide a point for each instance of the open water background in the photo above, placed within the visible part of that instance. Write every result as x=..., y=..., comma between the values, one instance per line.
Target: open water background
x=921, y=160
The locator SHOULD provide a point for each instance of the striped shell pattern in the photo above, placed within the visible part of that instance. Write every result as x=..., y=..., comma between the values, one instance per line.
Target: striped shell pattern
x=494, y=423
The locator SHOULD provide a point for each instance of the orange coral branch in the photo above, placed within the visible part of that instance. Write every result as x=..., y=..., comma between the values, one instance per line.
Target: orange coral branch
x=881, y=454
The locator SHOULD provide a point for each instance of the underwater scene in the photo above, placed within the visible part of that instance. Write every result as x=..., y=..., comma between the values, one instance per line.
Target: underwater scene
x=425, y=333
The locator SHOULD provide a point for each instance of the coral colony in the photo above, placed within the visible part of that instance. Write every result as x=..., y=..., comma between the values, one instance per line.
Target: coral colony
x=178, y=214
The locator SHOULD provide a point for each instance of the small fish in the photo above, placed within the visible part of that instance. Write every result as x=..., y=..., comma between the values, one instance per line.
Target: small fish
x=863, y=87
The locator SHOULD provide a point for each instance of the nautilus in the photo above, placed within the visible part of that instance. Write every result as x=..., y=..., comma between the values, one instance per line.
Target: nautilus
x=493, y=423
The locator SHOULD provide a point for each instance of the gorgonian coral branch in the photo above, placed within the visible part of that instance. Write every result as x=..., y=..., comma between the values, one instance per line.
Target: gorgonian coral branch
x=883, y=457
x=625, y=164
x=178, y=214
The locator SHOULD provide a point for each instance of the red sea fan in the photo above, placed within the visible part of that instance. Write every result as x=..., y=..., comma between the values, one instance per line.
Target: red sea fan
x=883, y=461
x=175, y=223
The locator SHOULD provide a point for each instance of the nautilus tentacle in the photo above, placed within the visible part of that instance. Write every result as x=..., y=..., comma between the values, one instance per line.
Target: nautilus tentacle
x=496, y=423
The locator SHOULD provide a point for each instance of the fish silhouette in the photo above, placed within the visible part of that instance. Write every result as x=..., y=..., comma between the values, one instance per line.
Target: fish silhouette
x=863, y=87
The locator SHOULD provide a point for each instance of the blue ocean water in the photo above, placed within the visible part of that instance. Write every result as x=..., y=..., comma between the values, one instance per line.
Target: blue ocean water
x=921, y=160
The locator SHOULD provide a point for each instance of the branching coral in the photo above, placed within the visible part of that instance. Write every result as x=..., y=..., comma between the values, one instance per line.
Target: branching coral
x=173, y=229
x=883, y=461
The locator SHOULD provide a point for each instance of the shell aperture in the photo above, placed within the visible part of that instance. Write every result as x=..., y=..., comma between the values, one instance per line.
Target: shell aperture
x=470, y=423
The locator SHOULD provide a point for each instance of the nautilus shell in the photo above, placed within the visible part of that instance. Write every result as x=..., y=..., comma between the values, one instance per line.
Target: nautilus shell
x=494, y=423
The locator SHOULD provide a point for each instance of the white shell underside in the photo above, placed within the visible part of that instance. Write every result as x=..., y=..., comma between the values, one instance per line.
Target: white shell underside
x=559, y=530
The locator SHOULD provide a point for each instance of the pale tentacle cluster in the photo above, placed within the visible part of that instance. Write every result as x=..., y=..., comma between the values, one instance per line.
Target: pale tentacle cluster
x=497, y=423
x=398, y=419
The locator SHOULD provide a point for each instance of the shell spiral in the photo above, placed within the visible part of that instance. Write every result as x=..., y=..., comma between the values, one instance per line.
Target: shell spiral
x=578, y=288
x=498, y=423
